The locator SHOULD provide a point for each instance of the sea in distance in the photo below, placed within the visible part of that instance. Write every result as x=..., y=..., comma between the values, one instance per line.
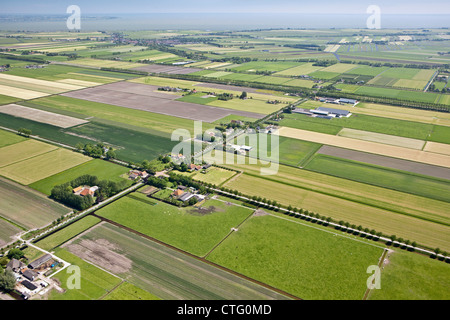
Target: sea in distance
x=217, y=21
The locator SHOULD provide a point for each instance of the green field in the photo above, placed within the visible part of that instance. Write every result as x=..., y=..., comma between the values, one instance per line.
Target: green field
x=7, y=138
x=56, y=239
x=429, y=187
x=103, y=170
x=184, y=228
x=376, y=124
x=162, y=271
x=94, y=282
x=388, y=211
x=423, y=277
x=308, y=262
x=214, y=175
x=42, y=166
x=23, y=150
x=23, y=207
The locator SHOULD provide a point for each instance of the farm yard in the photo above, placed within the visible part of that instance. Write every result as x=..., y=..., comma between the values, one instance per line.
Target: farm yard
x=341, y=190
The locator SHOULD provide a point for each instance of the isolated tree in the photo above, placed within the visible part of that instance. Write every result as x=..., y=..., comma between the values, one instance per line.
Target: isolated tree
x=15, y=254
x=7, y=281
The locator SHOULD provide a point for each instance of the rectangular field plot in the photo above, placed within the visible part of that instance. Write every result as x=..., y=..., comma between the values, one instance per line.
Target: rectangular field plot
x=316, y=264
x=103, y=170
x=20, y=93
x=433, y=188
x=160, y=270
x=214, y=175
x=191, y=229
x=25, y=207
x=42, y=166
x=23, y=150
x=389, y=211
x=382, y=138
x=42, y=116
x=143, y=97
x=368, y=146
x=388, y=162
x=299, y=70
x=437, y=147
x=8, y=138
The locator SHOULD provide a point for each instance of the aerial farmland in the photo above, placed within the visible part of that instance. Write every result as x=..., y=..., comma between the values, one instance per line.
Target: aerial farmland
x=209, y=163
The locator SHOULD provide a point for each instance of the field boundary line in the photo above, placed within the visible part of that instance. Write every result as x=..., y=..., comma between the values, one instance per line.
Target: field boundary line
x=380, y=263
x=199, y=258
x=229, y=233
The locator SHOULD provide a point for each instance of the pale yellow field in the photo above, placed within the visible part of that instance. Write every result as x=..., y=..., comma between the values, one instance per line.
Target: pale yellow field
x=42, y=116
x=94, y=76
x=23, y=150
x=105, y=63
x=368, y=146
x=79, y=82
x=382, y=138
x=437, y=147
x=42, y=166
x=340, y=67
x=21, y=93
x=62, y=86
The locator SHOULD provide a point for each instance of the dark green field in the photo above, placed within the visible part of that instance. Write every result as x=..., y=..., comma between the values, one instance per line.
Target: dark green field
x=425, y=186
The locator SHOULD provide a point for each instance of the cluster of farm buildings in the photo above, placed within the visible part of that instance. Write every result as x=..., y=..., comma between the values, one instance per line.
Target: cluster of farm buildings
x=328, y=113
x=184, y=194
x=31, y=278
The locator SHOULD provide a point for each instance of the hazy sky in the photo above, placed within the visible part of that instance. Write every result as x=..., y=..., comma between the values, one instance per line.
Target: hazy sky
x=228, y=6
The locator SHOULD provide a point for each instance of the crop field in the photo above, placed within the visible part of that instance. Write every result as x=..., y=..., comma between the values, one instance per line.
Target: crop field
x=387, y=162
x=59, y=237
x=95, y=283
x=139, y=97
x=160, y=270
x=437, y=147
x=374, y=211
x=25, y=208
x=103, y=170
x=190, y=229
x=125, y=116
x=424, y=279
x=41, y=166
x=392, y=112
x=104, y=63
x=375, y=124
x=302, y=69
x=316, y=264
x=433, y=188
x=8, y=138
x=368, y=146
x=214, y=175
x=22, y=151
x=382, y=138
x=54, y=119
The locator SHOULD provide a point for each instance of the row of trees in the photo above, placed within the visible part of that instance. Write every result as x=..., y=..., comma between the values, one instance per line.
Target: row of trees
x=98, y=150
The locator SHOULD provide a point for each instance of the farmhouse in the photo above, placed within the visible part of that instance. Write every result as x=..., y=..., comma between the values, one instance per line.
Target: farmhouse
x=135, y=174
x=29, y=274
x=15, y=265
x=177, y=193
x=85, y=190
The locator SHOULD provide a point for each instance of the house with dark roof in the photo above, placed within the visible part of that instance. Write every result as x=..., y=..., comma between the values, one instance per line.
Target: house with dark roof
x=36, y=263
x=30, y=274
x=15, y=265
x=27, y=284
